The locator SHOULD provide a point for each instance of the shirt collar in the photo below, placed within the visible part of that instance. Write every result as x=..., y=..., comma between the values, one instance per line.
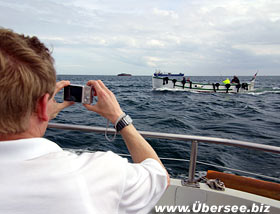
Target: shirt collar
x=25, y=149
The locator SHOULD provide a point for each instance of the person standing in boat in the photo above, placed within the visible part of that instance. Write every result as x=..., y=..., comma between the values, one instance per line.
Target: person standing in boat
x=236, y=81
x=189, y=81
x=227, y=84
x=226, y=81
x=37, y=176
x=184, y=82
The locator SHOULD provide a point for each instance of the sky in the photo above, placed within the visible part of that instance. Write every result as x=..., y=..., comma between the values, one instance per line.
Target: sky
x=194, y=37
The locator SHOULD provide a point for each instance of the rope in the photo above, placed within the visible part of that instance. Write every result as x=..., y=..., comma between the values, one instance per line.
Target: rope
x=106, y=136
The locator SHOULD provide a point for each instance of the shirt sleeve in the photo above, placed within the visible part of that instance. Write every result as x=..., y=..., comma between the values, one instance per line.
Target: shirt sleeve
x=143, y=186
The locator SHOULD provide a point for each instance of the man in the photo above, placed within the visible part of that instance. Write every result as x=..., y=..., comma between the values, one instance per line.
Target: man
x=235, y=80
x=183, y=82
x=227, y=84
x=36, y=175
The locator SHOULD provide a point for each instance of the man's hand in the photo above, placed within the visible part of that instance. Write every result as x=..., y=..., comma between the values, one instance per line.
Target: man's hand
x=107, y=104
x=57, y=107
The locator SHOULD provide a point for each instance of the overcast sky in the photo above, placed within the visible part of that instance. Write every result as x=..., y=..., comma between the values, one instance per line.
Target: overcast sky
x=195, y=37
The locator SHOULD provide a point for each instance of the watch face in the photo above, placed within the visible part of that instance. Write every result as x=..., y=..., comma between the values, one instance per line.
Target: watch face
x=128, y=119
x=125, y=121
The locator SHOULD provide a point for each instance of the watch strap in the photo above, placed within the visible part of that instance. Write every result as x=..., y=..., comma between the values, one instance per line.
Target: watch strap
x=119, y=118
x=123, y=122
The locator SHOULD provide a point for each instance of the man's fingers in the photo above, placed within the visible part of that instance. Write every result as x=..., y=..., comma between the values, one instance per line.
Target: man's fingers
x=103, y=86
x=89, y=107
x=61, y=106
x=66, y=104
x=98, y=86
x=60, y=85
x=95, y=85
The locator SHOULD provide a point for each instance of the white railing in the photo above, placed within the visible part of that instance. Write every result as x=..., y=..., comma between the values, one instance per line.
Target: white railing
x=193, y=139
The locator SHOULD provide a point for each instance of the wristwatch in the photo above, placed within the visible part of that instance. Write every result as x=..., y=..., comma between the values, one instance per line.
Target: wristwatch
x=123, y=122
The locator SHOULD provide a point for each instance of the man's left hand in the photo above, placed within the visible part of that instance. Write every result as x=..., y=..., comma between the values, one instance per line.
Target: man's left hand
x=57, y=107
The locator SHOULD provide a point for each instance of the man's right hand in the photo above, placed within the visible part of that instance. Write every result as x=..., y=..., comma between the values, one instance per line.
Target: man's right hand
x=107, y=104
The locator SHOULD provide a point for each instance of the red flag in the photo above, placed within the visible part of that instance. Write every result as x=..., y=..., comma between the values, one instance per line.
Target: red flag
x=254, y=77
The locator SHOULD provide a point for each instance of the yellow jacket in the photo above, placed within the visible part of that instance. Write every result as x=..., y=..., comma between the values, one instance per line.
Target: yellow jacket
x=227, y=81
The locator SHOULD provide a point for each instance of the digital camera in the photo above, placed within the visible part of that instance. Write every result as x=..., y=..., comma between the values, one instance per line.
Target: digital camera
x=78, y=93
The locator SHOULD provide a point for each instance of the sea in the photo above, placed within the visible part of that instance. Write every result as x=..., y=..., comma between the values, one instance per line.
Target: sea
x=252, y=117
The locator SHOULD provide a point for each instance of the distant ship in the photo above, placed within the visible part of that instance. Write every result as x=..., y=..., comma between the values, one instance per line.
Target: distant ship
x=159, y=74
x=124, y=74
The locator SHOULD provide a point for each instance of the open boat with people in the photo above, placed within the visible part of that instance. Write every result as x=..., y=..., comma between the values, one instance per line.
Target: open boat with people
x=218, y=192
x=179, y=82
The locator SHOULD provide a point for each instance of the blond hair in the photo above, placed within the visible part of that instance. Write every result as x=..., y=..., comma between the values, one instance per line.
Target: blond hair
x=26, y=74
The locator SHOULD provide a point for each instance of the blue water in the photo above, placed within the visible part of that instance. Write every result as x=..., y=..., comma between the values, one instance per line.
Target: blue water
x=252, y=117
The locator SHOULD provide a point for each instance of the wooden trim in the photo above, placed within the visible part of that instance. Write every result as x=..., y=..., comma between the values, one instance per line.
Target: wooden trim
x=245, y=184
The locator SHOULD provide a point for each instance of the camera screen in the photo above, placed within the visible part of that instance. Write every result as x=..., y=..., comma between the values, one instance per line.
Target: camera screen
x=73, y=93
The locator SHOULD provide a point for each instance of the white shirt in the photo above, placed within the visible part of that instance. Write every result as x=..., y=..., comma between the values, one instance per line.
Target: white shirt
x=37, y=176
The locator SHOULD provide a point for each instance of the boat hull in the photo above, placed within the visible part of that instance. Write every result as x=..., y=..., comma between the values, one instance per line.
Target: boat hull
x=166, y=83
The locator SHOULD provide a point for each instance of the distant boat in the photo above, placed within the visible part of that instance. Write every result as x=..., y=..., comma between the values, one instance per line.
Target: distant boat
x=171, y=82
x=124, y=75
x=159, y=74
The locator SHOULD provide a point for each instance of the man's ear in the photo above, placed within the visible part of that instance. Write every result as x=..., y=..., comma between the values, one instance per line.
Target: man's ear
x=42, y=110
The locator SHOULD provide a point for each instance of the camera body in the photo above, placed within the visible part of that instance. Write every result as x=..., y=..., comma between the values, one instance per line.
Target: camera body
x=78, y=93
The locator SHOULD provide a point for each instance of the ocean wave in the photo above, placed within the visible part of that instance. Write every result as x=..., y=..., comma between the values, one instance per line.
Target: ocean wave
x=265, y=92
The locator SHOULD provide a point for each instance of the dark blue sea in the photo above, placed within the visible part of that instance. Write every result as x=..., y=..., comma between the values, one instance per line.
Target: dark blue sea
x=253, y=117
